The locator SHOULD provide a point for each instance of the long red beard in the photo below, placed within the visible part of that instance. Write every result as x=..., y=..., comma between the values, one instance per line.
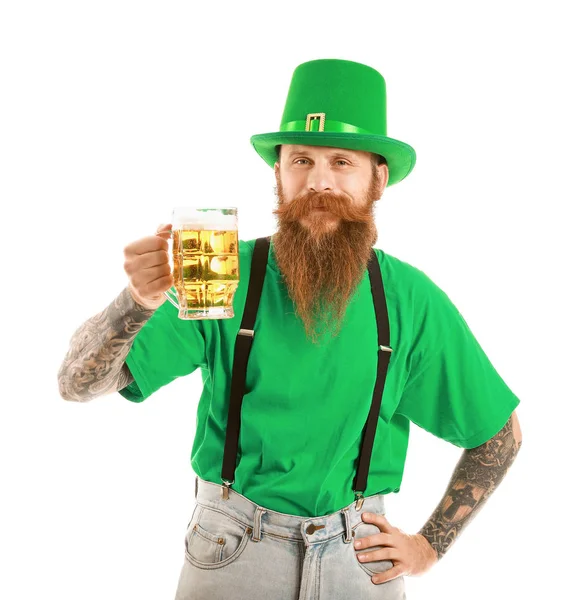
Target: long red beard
x=322, y=265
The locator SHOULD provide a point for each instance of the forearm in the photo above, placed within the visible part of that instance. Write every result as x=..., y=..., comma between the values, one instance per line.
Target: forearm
x=476, y=476
x=98, y=349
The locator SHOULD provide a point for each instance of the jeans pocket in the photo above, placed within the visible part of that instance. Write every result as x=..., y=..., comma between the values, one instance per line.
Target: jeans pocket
x=377, y=566
x=215, y=539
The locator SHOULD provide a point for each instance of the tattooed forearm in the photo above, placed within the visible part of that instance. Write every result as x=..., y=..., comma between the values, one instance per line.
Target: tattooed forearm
x=476, y=476
x=94, y=363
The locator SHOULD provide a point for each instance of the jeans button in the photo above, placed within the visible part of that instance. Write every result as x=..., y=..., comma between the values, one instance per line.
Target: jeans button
x=311, y=529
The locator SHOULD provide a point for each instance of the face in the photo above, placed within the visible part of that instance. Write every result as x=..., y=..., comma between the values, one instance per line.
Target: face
x=323, y=171
x=326, y=228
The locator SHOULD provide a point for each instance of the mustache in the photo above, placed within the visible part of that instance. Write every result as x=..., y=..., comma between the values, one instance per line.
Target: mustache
x=341, y=205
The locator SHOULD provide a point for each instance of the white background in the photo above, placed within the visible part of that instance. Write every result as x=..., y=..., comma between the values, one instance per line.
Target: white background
x=113, y=112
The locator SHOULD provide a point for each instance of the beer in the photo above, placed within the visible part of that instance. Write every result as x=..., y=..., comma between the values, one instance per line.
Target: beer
x=205, y=264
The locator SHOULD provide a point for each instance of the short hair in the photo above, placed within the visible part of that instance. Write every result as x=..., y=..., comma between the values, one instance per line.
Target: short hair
x=377, y=159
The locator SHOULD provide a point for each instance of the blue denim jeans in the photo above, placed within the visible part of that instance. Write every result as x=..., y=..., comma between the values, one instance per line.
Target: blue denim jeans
x=237, y=549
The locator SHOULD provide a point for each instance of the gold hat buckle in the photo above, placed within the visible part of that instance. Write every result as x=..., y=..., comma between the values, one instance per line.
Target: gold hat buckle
x=312, y=117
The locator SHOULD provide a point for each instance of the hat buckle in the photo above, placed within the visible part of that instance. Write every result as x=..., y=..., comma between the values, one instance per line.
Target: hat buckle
x=313, y=117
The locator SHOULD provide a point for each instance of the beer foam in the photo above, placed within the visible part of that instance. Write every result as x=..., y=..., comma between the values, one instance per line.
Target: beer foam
x=204, y=220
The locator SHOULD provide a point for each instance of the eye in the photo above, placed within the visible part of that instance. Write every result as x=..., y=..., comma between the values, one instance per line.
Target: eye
x=300, y=160
x=341, y=162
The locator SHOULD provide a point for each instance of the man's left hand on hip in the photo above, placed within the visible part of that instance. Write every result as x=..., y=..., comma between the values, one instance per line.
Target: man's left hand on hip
x=411, y=554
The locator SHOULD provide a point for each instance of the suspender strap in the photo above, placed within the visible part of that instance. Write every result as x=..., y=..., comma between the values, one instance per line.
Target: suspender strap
x=242, y=350
x=384, y=354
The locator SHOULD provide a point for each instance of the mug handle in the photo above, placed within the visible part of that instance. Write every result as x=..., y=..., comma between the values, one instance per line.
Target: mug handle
x=171, y=299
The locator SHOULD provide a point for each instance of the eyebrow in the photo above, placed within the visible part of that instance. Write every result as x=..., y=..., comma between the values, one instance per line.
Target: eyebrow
x=337, y=153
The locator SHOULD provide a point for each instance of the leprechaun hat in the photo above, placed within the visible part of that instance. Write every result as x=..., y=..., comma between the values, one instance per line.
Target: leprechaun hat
x=341, y=104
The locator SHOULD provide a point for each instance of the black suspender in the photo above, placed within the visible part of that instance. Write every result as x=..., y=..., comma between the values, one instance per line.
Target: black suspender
x=384, y=354
x=244, y=340
x=243, y=344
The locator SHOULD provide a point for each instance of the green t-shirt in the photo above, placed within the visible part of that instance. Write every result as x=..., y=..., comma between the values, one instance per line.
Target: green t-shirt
x=305, y=405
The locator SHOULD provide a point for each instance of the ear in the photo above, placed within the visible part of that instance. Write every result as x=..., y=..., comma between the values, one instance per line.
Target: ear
x=383, y=175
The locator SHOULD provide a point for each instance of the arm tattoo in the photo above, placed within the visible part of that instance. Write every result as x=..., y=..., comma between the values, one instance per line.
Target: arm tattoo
x=476, y=476
x=93, y=366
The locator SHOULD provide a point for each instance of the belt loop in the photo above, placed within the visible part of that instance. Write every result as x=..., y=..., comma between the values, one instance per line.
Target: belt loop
x=257, y=524
x=348, y=532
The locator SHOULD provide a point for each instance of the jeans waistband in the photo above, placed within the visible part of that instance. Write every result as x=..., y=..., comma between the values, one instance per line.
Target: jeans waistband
x=264, y=520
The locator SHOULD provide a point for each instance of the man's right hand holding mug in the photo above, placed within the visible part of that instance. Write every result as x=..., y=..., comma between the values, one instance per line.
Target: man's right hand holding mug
x=148, y=268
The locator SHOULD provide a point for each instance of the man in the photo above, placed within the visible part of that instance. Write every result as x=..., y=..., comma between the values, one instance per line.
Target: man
x=309, y=390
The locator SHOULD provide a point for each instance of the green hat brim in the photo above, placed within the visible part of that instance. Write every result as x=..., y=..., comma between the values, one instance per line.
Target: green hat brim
x=400, y=157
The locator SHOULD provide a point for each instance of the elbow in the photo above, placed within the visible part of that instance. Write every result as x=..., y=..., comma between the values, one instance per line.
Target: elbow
x=67, y=390
x=63, y=384
x=64, y=393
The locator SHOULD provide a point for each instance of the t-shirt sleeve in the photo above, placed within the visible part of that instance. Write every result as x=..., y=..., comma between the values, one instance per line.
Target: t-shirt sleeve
x=453, y=391
x=165, y=348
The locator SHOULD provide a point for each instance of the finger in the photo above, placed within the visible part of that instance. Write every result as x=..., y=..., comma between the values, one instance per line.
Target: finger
x=379, y=520
x=157, y=286
x=152, y=259
x=142, y=280
x=375, y=555
x=388, y=575
x=160, y=285
x=164, y=231
x=146, y=244
x=378, y=539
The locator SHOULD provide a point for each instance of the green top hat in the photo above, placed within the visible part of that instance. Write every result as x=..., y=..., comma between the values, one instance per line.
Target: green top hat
x=342, y=104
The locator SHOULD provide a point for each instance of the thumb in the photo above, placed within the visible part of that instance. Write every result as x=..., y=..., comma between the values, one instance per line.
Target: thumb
x=164, y=231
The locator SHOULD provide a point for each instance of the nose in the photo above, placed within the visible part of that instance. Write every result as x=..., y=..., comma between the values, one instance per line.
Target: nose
x=320, y=178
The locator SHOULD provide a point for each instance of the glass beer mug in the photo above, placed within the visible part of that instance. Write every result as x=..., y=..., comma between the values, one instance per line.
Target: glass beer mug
x=205, y=262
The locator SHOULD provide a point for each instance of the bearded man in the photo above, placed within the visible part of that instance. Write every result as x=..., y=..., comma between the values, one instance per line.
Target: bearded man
x=325, y=232
x=309, y=391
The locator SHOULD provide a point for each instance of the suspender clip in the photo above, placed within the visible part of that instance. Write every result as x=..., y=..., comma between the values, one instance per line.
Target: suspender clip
x=359, y=500
x=246, y=332
x=385, y=348
x=225, y=491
